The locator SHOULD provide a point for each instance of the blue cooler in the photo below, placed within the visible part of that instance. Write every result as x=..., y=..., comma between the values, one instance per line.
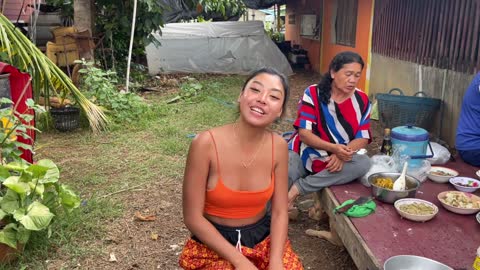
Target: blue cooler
x=411, y=141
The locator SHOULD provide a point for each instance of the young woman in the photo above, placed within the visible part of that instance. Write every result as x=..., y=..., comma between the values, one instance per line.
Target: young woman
x=333, y=122
x=232, y=171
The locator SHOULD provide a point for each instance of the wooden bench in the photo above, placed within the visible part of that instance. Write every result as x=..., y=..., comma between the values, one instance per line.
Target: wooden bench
x=449, y=238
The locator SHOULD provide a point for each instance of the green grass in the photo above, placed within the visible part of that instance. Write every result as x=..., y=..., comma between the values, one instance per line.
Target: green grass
x=152, y=149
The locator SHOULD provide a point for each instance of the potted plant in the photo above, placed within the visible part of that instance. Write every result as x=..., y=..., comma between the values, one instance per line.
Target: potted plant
x=30, y=195
x=66, y=117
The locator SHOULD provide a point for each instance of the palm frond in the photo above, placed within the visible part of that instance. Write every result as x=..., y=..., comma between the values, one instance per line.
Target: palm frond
x=47, y=78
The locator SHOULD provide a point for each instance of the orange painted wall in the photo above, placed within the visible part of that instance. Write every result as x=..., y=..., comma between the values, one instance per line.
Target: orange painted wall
x=362, y=42
x=292, y=31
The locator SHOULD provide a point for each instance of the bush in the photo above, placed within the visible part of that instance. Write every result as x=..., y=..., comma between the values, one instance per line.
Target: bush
x=100, y=87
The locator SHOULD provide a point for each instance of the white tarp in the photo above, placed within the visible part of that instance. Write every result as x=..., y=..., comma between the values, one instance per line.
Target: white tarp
x=215, y=47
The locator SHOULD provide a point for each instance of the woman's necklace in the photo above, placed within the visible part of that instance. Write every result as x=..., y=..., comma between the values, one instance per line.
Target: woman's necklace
x=260, y=145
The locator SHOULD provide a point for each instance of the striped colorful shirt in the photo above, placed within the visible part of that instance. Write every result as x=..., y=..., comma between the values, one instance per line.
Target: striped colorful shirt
x=337, y=123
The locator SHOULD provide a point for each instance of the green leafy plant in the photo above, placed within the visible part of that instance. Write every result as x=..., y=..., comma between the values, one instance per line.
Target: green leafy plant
x=99, y=86
x=12, y=125
x=224, y=7
x=188, y=91
x=30, y=195
x=277, y=36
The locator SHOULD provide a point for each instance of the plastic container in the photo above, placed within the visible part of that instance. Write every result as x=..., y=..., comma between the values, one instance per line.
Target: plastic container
x=412, y=142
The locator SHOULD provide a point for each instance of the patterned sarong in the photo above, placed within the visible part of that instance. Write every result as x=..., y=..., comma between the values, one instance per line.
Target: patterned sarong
x=196, y=255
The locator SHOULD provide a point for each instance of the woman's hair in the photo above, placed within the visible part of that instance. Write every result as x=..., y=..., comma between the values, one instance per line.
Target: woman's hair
x=325, y=85
x=274, y=72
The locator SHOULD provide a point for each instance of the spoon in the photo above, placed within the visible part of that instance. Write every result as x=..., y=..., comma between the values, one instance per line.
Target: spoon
x=361, y=151
x=399, y=184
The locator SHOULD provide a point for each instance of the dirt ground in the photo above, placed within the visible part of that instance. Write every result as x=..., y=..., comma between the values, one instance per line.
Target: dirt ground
x=157, y=244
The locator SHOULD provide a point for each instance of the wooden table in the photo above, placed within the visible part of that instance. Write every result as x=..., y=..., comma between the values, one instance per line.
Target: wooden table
x=448, y=238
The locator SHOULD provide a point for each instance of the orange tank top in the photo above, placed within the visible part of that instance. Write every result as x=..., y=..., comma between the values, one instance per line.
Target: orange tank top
x=224, y=202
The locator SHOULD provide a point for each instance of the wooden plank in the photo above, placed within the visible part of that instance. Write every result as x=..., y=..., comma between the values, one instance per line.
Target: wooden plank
x=448, y=238
x=352, y=240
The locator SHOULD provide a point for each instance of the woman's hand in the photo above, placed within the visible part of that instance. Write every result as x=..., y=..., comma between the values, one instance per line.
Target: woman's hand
x=334, y=164
x=276, y=264
x=343, y=152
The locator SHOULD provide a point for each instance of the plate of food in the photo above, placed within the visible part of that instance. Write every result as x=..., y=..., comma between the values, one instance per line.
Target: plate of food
x=460, y=202
x=416, y=209
x=465, y=184
x=441, y=174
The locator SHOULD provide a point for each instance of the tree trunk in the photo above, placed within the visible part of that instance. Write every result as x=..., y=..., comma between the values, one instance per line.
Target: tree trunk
x=84, y=15
x=84, y=20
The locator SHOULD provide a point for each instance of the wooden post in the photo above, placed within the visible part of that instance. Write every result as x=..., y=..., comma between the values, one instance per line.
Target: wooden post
x=317, y=213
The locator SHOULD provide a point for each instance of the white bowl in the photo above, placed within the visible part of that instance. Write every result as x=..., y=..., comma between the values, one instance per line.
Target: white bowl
x=441, y=178
x=456, y=181
x=478, y=217
x=413, y=217
x=459, y=210
x=478, y=173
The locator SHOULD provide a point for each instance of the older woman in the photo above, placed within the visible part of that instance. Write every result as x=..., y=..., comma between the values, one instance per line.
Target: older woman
x=333, y=122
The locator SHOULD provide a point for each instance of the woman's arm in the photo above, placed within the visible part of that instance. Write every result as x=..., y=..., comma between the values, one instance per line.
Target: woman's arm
x=194, y=187
x=343, y=152
x=358, y=143
x=279, y=222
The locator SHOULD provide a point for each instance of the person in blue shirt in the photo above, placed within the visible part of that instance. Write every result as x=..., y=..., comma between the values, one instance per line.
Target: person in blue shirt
x=467, y=140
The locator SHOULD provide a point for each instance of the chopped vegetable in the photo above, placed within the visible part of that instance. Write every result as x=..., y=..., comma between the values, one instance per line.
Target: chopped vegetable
x=417, y=208
x=458, y=199
x=384, y=182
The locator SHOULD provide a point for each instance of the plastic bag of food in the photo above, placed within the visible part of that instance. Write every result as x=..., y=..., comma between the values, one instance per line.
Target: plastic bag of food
x=380, y=163
x=440, y=154
x=421, y=173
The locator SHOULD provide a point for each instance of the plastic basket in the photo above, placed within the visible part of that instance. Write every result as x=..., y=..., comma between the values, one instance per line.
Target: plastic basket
x=400, y=110
x=65, y=118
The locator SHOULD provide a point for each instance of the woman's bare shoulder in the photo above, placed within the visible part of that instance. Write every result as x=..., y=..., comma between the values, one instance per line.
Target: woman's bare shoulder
x=279, y=140
x=202, y=141
x=206, y=138
x=280, y=145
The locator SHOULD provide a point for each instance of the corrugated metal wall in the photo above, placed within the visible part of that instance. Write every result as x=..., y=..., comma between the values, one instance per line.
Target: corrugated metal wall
x=438, y=33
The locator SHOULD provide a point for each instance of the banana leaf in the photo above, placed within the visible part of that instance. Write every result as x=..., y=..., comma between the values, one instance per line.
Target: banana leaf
x=47, y=78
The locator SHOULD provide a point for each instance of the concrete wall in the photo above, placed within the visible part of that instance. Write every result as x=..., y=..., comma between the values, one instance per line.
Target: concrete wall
x=292, y=31
x=321, y=52
x=447, y=85
x=362, y=42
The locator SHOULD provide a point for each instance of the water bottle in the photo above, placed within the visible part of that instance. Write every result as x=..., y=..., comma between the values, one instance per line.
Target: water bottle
x=387, y=143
